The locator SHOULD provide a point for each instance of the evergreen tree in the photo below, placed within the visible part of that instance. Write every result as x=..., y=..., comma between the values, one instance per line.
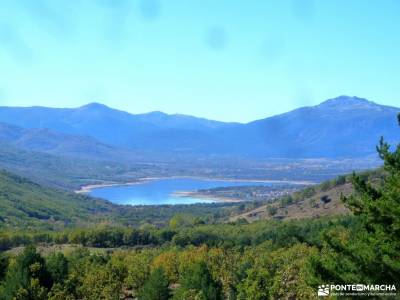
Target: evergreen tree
x=370, y=251
x=57, y=265
x=3, y=266
x=156, y=287
x=26, y=276
x=379, y=210
x=197, y=283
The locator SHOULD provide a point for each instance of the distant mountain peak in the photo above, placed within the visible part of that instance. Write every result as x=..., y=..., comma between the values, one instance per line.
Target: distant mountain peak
x=348, y=102
x=95, y=106
x=156, y=113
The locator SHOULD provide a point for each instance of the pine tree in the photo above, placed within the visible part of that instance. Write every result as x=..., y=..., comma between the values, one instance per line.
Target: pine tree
x=26, y=276
x=57, y=265
x=156, y=287
x=378, y=209
x=197, y=283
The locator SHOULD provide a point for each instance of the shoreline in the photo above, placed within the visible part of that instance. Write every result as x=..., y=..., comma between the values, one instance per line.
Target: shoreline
x=88, y=188
x=197, y=195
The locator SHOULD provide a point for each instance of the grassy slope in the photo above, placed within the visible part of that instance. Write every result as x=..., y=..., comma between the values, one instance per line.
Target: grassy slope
x=313, y=202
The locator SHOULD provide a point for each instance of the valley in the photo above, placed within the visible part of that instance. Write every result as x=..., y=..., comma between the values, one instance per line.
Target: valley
x=73, y=150
x=112, y=207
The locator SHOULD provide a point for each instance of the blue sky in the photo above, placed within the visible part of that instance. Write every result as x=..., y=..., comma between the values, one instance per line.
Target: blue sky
x=227, y=60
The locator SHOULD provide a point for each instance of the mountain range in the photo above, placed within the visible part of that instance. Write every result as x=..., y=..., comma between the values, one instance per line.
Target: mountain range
x=343, y=127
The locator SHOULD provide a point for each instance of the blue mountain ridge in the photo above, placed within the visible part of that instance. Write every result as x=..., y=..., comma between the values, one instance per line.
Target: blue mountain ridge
x=339, y=127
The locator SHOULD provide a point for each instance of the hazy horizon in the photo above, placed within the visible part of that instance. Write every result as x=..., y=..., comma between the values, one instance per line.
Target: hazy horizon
x=215, y=59
x=183, y=114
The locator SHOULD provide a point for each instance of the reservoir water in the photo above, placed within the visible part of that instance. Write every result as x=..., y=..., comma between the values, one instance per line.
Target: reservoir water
x=161, y=191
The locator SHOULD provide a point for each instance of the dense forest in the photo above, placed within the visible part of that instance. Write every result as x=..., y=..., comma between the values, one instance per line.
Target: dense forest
x=190, y=259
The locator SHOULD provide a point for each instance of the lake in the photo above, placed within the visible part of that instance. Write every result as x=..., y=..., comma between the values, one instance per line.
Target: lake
x=161, y=191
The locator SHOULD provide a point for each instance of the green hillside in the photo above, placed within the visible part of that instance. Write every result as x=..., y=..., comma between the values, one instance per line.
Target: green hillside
x=30, y=206
x=62, y=172
x=313, y=202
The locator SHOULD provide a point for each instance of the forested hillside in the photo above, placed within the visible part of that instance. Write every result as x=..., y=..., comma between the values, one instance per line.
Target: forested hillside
x=24, y=204
x=61, y=172
x=27, y=205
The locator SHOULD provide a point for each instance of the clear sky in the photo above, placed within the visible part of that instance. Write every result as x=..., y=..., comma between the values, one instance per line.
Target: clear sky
x=232, y=60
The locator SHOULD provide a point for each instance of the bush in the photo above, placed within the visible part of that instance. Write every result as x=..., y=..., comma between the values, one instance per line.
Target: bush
x=325, y=199
x=272, y=210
